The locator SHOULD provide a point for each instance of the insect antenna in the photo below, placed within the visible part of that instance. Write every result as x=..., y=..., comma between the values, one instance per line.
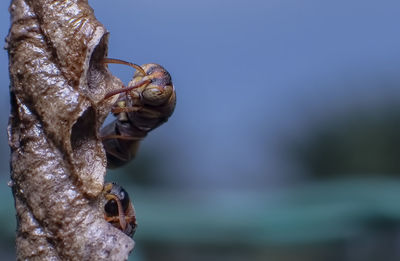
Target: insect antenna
x=126, y=89
x=118, y=61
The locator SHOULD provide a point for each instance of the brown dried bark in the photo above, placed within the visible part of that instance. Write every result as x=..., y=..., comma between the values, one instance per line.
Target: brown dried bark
x=58, y=162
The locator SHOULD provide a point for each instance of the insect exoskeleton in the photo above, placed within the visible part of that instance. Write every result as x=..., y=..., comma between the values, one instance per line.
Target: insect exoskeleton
x=118, y=209
x=146, y=103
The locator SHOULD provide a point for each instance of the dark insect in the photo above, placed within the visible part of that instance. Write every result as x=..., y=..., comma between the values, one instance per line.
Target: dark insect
x=118, y=209
x=146, y=103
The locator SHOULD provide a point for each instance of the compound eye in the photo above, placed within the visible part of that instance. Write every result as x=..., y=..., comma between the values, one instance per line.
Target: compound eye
x=123, y=196
x=157, y=95
x=111, y=208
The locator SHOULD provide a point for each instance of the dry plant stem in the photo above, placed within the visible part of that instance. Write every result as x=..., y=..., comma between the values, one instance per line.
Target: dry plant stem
x=58, y=82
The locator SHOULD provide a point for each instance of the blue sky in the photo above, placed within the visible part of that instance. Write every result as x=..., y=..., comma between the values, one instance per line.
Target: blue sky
x=250, y=76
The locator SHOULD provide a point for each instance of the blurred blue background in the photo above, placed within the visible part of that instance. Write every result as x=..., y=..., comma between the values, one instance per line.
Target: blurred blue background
x=285, y=142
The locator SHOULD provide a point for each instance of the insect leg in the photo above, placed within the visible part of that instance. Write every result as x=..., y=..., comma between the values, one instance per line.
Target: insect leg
x=120, y=137
x=121, y=213
x=118, y=110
